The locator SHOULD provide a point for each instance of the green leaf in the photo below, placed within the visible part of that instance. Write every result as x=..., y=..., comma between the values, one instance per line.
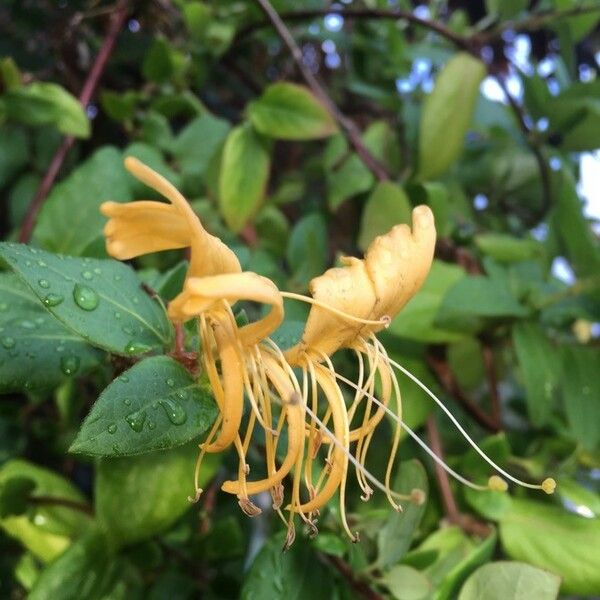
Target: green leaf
x=581, y=391
x=575, y=233
x=70, y=220
x=293, y=575
x=457, y=557
x=395, y=536
x=14, y=153
x=158, y=65
x=387, y=206
x=350, y=178
x=88, y=569
x=307, y=249
x=416, y=320
x=120, y=106
x=36, y=351
x=47, y=530
x=44, y=103
x=197, y=144
x=447, y=114
x=100, y=300
x=473, y=299
x=154, y=405
x=197, y=16
x=506, y=9
x=139, y=497
x=287, y=111
x=517, y=581
x=550, y=538
x=243, y=177
x=14, y=496
x=406, y=583
x=540, y=370
x=506, y=248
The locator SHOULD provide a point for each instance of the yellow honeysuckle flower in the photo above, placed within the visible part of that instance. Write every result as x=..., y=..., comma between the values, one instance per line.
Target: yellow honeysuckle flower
x=349, y=306
x=214, y=282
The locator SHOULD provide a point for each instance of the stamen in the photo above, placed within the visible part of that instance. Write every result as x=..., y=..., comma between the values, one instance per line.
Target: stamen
x=419, y=441
x=383, y=322
x=548, y=485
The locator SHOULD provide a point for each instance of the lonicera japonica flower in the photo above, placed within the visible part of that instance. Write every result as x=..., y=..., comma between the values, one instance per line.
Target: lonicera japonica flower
x=350, y=305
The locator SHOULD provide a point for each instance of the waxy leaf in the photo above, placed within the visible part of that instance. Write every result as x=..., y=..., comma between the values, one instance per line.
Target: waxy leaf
x=46, y=103
x=551, y=538
x=100, y=300
x=540, y=370
x=287, y=111
x=36, y=351
x=396, y=534
x=447, y=114
x=581, y=390
x=154, y=405
x=388, y=205
x=292, y=575
x=46, y=530
x=70, y=220
x=244, y=175
x=514, y=580
x=88, y=569
x=138, y=497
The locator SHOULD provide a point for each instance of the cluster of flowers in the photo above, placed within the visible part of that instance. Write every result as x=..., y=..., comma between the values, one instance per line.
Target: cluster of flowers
x=299, y=388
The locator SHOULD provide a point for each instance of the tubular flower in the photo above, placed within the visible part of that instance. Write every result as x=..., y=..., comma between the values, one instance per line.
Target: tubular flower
x=350, y=305
x=232, y=356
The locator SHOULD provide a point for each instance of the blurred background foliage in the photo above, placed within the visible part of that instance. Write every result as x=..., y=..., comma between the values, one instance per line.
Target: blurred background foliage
x=486, y=110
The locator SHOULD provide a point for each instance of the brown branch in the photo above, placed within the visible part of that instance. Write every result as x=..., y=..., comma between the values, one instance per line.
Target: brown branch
x=370, y=14
x=64, y=502
x=348, y=127
x=532, y=142
x=89, y=87
x=362, y=589
x=467, y=522
x=492, y=379
x=446, y=378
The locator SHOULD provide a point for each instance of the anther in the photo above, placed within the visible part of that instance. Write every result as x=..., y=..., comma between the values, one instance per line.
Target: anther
x=497, y=484
x=277, y=496
x=248, y=507
x=549, y=485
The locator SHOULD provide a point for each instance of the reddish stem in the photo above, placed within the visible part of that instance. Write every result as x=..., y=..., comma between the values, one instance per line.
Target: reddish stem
x=117, y=19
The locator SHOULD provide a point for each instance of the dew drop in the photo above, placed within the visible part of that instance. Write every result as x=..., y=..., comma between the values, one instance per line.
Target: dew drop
x=60, y=348
x=87, y=275
x=52, y=300
x=136, y=300
x=127, y=402
x=43, y=283
x=133, y=347
x=174, y=411
x=117, y=315
x=69, y=365
x=124, y=378
x=136, y=420
x=181, y=394
x=27, y=263
x=98, y=271
x=41, y=263
x=112, y=428
x=170, y=382
x=8, y=342
x=25, y=324
x=118, y=278
x=85, y=297
x=151, y=424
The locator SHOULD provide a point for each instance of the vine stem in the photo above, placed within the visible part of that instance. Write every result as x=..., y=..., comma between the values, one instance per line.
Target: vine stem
x=347, y=125
x=117, y=19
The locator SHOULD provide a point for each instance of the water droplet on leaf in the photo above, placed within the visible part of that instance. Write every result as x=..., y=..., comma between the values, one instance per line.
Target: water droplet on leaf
x=170, y=382
x=87, y=275
x=52, y=300
x=43, y=283
x=85, y=297
x=8, y=342
x=136, y=347
x=136, y=420
x=112, y=428
x=174, y=411
x=69, y=364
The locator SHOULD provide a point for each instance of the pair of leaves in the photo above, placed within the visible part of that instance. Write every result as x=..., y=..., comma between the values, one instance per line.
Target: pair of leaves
x=285, y=111
x=86, y=294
